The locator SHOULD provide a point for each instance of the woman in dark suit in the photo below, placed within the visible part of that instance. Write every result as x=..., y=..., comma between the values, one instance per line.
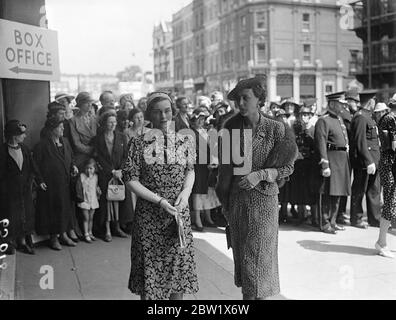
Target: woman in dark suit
x=17, y=170
x=111, y=151
x=54, y=157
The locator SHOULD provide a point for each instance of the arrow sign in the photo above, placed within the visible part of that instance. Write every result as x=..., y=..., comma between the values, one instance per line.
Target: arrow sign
x=17, y=70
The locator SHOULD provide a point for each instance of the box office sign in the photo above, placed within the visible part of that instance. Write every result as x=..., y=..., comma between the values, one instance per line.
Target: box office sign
x=28, y=52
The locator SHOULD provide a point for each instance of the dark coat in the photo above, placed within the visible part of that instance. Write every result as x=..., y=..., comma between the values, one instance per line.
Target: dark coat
x=54, y=206
x=179, y=123
x=16, y=203
x=330, y=130
x=107, y=163
x=283, y=154
x=201, y=183
x=365, y=146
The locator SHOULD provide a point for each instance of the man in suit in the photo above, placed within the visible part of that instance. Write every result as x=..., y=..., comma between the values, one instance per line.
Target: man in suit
x=182, y=118
x=365, y=155
x=332, y=145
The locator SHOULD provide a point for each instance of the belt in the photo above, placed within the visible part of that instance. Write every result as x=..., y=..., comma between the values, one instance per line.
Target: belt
x=332, y=147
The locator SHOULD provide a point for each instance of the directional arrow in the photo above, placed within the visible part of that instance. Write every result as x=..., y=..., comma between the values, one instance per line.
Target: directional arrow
x=17, y=70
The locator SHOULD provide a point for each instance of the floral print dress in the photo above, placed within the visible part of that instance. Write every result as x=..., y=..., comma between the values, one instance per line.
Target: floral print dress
x=159, y=266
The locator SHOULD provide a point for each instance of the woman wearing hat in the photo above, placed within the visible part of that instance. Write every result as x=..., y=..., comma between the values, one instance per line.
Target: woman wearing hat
x=203, y=196
x=250, y=195
x=83, y=127
x=387, y=170
x=160, y=170
x=54, y=157
x=17, y=171
x=111, y=149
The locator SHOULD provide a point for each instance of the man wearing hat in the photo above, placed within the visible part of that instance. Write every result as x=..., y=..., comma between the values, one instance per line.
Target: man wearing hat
x=332, y=144
x=365, y=156
x=83, y=128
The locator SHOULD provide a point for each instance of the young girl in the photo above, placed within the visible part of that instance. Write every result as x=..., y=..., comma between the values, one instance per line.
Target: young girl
x=88, y=191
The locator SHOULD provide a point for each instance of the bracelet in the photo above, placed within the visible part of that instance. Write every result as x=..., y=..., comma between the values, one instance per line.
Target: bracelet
x=159, y=202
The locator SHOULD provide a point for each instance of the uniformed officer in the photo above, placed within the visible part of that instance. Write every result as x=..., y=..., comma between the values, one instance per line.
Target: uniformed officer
x=365, y=155
x=332, y=145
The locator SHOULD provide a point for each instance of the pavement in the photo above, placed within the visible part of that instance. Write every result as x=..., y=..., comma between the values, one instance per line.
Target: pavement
x=313, y=266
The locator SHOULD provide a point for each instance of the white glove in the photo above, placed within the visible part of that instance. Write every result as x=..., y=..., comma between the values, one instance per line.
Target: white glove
x=371, y=169
x=394, y=145
x=326, y=173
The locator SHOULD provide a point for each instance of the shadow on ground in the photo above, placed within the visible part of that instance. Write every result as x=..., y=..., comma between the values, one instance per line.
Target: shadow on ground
x=324, y=246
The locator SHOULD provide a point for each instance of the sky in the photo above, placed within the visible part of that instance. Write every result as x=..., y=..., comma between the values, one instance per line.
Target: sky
x=105, y=36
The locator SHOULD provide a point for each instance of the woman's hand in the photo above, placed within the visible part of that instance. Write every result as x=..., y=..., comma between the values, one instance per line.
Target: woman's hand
x=250, y=181
x=117, y=174
x=168, y=207
x=182, y=200
x=74, y=171
x=43, y=186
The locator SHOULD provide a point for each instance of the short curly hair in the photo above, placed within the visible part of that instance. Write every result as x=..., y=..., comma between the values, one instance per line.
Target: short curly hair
x=105, y=116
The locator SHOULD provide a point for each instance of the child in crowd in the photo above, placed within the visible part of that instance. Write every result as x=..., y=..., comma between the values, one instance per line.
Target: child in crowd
x=88, y=193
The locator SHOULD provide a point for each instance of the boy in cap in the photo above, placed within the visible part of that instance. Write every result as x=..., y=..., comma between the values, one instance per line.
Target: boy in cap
x=332, y=144
x=365, y=155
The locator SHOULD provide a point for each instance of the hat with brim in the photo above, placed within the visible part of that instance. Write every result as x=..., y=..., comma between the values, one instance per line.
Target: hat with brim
x=62, y=95
x=83, y=97
x=338, y=96
x=392, y=101
x=380, y=106
x=14, y=128
x=196, y=116
x=367, y=95
x=306, y=110
x=257, y=82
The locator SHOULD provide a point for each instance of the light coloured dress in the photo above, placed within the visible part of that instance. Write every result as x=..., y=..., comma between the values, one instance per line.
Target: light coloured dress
x=159, y=266
x=89, y=187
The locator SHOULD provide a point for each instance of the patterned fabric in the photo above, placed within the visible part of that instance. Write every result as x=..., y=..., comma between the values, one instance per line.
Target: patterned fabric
x=253, y=220
x=385, y=169
x=159, y=267
x=206, y=201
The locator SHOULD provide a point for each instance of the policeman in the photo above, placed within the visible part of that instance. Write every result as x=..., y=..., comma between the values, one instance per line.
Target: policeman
x=332, y=145
x=365, y=156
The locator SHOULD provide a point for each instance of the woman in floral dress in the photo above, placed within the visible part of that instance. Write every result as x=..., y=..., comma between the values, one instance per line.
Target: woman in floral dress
x=160, y=170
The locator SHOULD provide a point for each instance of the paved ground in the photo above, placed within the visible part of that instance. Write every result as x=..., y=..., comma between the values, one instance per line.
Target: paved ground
x=313, y=265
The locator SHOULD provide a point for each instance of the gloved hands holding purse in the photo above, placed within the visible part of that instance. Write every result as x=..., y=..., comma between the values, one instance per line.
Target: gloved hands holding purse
x=253, y=179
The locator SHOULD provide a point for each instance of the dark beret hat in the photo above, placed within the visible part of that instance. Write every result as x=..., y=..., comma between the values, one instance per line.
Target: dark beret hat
x=52, y=123
x=14, y=128
x=257, y=82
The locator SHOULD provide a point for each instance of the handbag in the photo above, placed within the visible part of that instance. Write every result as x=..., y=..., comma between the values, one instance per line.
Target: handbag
x=115, y=191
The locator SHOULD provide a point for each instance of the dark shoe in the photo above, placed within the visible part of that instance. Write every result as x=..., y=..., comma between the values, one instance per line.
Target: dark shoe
x=10, y=250
x=26, y=249
x=120, y=233
x=55, y=245
x=330, y=230
x=196, y=228
x=209, y=225
x=76, y=240
x=339, y=228
x=360, y=225
x=375, y=224
x=108, y=238
x=67, y=242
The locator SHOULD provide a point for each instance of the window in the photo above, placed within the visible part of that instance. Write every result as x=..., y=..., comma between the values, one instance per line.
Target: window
x=306, y=22
x=328, y=88
x=243, y=23
x=307, y=58
x=261, y=54
x=260, y=20
x=243, y=55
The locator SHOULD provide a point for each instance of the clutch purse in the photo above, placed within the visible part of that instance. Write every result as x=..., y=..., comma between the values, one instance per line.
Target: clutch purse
x=115, y=191
x=180, y=231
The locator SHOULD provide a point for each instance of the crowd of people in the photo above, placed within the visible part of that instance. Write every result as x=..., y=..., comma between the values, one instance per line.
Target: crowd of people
x=88, y=177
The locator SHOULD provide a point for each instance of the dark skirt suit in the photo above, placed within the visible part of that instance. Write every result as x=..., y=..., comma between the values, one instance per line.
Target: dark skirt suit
x=16, y=203
x=107, y=163
x=253, y=214
x=54, y=206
